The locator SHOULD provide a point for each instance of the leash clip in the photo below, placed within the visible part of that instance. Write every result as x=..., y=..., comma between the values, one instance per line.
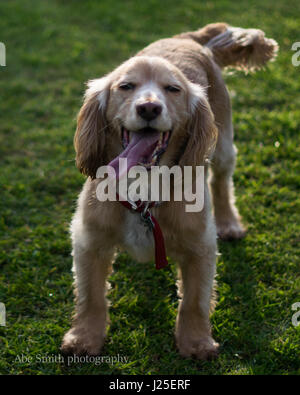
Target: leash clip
x=146, y=216
x=133, y=205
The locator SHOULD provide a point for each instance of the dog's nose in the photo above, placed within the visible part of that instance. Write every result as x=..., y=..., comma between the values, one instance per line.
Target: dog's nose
x=149, y=110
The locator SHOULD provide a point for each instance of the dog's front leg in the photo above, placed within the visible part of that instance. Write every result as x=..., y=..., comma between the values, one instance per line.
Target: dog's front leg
x=193, y=331
x=91, y=268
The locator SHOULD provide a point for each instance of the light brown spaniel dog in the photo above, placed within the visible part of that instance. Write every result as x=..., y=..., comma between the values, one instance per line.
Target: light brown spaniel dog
x=171, y=93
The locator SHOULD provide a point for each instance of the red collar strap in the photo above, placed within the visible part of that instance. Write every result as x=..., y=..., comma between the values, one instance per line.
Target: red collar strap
x=144, y=209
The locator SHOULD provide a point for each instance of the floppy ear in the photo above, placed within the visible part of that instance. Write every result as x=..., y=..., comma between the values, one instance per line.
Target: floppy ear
x=89, y=139
x=201, y=129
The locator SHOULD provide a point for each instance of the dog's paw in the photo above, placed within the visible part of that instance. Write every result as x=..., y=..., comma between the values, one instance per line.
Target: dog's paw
x=81, y=341
x=233, y=230
x=204, y=348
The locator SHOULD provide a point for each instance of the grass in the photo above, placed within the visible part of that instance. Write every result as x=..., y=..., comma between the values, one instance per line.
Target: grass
x=53, y=47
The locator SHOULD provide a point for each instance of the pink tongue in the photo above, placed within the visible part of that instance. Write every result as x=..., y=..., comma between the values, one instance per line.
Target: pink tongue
x=138, y=150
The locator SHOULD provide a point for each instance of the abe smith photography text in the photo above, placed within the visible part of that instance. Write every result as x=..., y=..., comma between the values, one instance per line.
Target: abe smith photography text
x=71, y=359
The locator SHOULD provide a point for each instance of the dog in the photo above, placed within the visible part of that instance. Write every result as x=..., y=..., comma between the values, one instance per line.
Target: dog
x=171, y=91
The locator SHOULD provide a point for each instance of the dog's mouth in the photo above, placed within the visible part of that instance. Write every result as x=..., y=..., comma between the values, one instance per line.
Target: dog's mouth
x=149, y=157
x=142, y=148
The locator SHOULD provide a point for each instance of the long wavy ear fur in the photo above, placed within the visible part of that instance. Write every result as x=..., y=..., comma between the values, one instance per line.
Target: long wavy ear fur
x=89, y=139
x=202, y=129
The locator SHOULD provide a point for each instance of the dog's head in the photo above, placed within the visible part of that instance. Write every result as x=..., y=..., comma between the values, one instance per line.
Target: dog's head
x=146, y=111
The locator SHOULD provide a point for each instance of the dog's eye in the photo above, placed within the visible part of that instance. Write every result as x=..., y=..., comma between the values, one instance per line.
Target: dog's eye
x=126, y=86
x=172, y=88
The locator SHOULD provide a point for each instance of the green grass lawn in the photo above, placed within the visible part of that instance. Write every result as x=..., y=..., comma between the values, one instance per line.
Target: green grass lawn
x=52, y=48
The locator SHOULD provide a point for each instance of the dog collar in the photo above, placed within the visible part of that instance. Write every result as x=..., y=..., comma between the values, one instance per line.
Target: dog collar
x=144, y=209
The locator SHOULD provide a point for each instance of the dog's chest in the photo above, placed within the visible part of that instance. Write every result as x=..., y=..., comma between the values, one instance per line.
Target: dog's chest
x=138, y=238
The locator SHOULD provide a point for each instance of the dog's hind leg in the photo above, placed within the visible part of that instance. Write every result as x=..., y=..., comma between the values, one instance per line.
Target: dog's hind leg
x=229, y=226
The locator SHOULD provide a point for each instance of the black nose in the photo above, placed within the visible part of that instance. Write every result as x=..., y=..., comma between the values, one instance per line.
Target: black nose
x=149, y=110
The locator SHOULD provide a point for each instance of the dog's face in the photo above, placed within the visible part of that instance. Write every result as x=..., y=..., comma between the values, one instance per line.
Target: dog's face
x=149, y=94
x=145, y=111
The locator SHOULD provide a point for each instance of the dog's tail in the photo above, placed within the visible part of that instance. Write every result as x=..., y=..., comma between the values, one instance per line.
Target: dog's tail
x=243, y=49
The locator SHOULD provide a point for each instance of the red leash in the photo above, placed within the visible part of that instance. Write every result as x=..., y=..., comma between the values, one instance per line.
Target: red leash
x=144, y=209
